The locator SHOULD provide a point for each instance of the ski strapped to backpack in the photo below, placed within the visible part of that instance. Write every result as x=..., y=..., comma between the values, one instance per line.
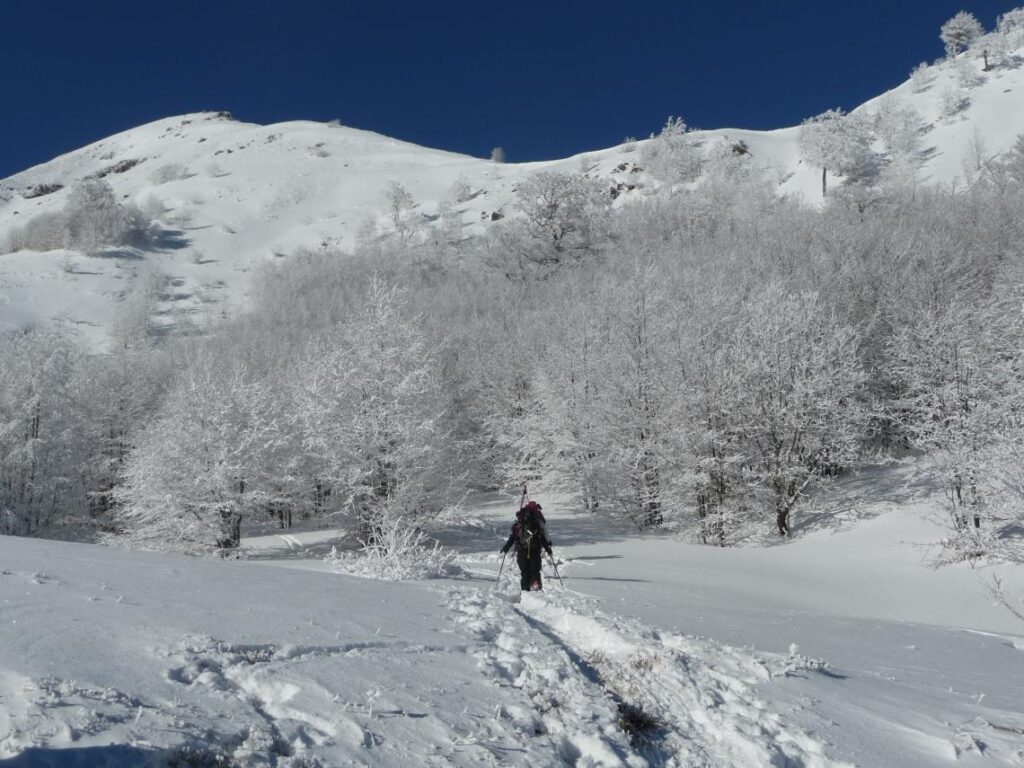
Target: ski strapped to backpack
x=529, y=529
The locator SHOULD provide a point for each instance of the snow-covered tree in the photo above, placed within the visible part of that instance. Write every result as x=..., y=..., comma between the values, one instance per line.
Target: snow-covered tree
x=802, y=412
x=958, y=369
x=373, y=418
x=736, y=184
x=960, y=32
x=1012, y=162
x=568, y=385
x=1011, y=21
x=1011, y=27
x=44, y=437
x=191, y=477
x=708, y=412
x=900, y=128
x=401, y=207
x=841, y=143
x=121, y=393
x=632, y=436
x=560, y=221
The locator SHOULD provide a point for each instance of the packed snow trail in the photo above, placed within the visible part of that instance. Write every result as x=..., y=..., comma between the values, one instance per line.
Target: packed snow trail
x=124, y=658
x=601, y=690
x=565, y=711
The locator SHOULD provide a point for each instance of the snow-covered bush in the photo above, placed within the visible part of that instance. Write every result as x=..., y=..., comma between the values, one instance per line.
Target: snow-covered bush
x=673, y=156
x=967, y=74
x=952, y=101
x=91, y=219
x=461, y=191
x=398, y=553
x=169, y=172
x=921, y=77
x=996, y=592
x=44, y=232
x=152, y=207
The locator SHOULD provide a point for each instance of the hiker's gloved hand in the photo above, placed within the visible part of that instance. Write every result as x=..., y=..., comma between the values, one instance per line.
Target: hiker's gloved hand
x=548, y=550
x=505, y=549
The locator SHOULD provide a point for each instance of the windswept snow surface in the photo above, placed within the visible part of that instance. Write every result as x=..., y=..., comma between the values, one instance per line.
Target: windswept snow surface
x=230, y=196
x=837, y=649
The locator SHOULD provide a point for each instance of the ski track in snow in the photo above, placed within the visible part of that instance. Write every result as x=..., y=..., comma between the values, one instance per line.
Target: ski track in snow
x=583, y=672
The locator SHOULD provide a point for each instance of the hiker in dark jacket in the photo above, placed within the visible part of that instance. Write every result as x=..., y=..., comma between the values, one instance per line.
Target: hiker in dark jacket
x=529, y=536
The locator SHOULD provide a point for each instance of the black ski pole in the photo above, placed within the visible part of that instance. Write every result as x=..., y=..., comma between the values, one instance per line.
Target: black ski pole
x=497, y=581
x=555, y=566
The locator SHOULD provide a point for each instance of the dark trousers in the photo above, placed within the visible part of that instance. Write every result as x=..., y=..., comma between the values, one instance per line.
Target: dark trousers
x=529, y=566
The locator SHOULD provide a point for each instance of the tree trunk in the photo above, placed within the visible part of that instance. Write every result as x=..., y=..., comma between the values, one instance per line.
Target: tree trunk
x=824, y=182
x=783, y=504
x=230, y=529
x=782, y=521
x=649, y=495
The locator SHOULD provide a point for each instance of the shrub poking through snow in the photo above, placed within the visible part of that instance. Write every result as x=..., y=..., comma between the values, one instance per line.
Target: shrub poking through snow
x=190, y=756
x=639, y=724
x=396, y=553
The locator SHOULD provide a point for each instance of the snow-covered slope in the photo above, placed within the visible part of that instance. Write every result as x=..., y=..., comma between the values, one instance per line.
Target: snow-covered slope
x=234, y=194
x=838, y=649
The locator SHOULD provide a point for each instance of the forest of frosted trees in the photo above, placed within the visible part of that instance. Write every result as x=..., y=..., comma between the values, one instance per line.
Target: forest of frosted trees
x=697, y=360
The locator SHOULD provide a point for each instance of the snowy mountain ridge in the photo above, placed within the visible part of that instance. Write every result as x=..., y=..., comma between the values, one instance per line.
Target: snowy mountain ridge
x=230, y=195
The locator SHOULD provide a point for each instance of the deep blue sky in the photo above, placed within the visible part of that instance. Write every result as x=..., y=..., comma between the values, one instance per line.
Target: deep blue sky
x=542, y=79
